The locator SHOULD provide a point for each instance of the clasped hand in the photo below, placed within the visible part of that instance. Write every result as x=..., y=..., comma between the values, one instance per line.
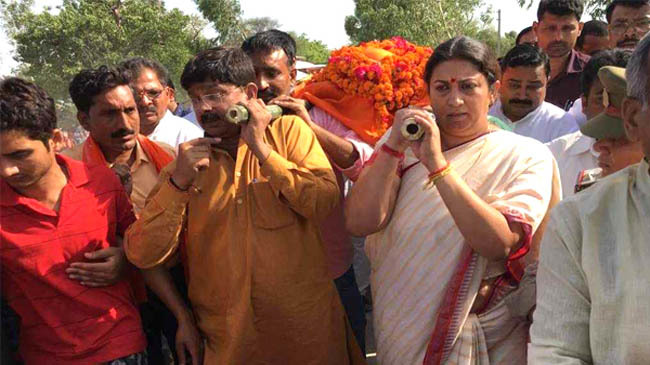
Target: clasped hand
x=427, y=149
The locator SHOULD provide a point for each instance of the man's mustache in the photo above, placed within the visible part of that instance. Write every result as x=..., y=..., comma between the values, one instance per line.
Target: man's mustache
x=558, y=43
x=267, y=94
x=122, y=133
x=145, y=109
x=521, y=101
x=625, y=40
x=210, y=117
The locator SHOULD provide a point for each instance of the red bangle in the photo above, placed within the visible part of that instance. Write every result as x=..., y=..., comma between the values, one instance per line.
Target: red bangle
x=438, y=171
x=392, y=152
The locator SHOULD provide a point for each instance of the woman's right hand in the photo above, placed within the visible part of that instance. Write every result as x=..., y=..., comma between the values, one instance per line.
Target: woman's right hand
x=396, y=141
x=189, y=340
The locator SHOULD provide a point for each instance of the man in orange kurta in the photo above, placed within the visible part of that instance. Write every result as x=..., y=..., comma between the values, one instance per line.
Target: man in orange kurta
x=248, y=200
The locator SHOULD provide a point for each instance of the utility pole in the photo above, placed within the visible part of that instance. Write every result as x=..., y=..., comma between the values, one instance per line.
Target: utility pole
x=499, y=32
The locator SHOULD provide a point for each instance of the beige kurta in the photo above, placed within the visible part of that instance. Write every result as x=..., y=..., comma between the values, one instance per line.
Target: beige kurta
x=257, y=276
x=593, y=279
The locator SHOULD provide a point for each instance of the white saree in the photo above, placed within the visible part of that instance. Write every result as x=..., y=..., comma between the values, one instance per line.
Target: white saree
x=425, y=278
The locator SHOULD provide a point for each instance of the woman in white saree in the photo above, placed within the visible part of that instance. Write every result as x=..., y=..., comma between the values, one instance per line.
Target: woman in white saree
x=450, y=218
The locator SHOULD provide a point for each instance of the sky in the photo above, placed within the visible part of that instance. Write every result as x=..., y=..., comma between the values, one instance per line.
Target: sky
x=325, y=24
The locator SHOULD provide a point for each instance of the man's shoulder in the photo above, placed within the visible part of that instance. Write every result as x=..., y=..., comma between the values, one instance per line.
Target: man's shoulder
x=562, y=144
x=610, y=189
x=96, y=175
x=168, y=148
x=286, y=123
x=179, y=124
x=579, y=61
x=552, y=110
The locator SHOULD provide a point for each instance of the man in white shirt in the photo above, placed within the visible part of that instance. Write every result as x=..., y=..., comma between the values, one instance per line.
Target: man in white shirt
x=149, y=82
x=593, y=281
x=526, y=70
x=573, y=152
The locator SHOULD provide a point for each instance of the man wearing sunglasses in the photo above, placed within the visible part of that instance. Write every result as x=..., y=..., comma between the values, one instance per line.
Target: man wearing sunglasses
x=148, y=78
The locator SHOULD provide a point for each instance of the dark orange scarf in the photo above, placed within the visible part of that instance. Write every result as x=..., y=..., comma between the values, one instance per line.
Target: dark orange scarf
x=92, y=154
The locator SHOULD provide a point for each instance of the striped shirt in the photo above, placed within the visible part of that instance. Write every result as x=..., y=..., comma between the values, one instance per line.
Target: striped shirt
x=63, y=322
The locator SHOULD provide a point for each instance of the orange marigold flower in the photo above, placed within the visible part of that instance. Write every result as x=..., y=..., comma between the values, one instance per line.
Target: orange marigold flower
x=387, y=71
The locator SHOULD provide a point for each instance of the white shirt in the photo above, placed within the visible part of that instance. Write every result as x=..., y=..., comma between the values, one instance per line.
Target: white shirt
x=576, y=112
x=574, y=154
x=593, y=280
x=192, y=118
x=546, y=123
x=175, y=130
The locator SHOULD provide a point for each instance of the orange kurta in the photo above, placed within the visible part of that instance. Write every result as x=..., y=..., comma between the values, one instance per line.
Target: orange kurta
x=257, y=274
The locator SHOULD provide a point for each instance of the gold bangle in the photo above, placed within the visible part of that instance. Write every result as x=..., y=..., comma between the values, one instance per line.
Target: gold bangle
x=435, y=178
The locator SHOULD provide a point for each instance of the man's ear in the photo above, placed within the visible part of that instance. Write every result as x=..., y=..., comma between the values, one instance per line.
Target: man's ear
x=535, y=26
x=630, y=111
x=584, y=101
x=293, y=73
x=580, y=26
x=251, y=90
x=171, y=93
x=84, y=120
x=494, y=92
x=60, y=140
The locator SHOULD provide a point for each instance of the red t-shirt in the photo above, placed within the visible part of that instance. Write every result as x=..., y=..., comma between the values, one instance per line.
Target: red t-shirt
x=63, y=322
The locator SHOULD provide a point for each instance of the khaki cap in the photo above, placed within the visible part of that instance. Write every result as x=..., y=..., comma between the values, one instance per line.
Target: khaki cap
x=609, y=123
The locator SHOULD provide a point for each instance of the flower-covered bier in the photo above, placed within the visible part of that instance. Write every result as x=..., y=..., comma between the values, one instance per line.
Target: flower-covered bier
x=382, y=76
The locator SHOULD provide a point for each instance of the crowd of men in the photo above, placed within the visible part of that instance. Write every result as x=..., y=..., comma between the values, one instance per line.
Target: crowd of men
x=227, y=243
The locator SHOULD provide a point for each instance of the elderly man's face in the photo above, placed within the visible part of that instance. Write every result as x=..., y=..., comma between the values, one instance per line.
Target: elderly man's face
x=152, y=98
x=628, y=25
x=636, y=119
x=617, y=154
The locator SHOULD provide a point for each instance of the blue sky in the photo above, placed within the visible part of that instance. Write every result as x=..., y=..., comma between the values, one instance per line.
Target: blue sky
x=325, y=22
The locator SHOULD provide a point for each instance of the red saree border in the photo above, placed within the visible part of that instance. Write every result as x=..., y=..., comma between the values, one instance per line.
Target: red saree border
x=449, y=313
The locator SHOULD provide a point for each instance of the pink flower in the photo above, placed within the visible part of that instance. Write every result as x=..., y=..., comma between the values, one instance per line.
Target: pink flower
x=376, y=69
x=360, y=73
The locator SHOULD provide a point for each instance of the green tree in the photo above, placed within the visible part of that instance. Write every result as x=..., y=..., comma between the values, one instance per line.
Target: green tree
x=51, y=48
x=425, y=22
x=490, y=37
x=225, y=17
x=246, y=28
x=595, y=8
x=312, y=50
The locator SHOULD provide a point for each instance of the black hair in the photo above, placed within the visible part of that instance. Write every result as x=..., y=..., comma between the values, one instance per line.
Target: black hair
x=224, y=65
x=91, y=82
x=611, y=57
x=636, y=4
x=526, y=55
x=170, y=83
x=135, y=66
x=522, y=33
x=468, y=49
x=596, y=28
x=560, y=8
x=26, y=107
x=269, y=41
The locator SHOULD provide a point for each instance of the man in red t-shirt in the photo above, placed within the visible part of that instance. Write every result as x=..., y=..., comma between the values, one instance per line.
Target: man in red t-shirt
x=56, y=211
